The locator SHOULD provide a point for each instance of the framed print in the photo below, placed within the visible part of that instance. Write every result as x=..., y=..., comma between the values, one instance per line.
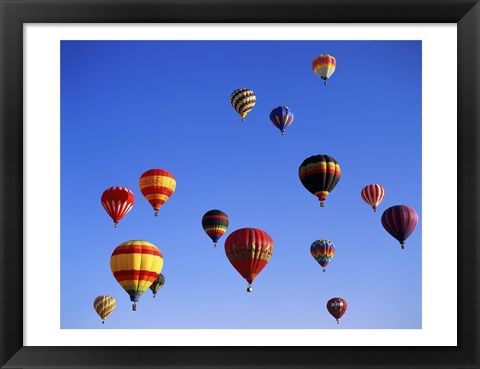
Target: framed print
x=140, y=170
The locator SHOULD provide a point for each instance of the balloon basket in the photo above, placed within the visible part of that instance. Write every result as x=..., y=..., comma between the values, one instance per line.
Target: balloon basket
x=116, y=225
x=214, y=244
x=322, y=204
x=324, y=270
x=156, y=213
x=103, y=321
x=249, y=289
x=134, y=307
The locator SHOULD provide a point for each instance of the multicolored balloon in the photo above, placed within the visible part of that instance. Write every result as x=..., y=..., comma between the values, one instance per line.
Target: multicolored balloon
x=324, y=66
x=249, y=250
x=157, y=284
x=400, y=221
x=243, y=100
x=157, y=185
x=373, y=195
x=320, y=174
x=104, y=306
x=135, y=265
x=117, y=201
x=322, y=251
x=215, y=224
x=282, y=117
x=337, y=307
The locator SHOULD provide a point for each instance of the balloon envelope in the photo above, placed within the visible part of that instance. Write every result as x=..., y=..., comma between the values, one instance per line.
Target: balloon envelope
x=282, y=117
x=157, y=284
x=337, y=307
x=135, y=265
x=215, y=224
x=243, y=100
x=104, y=305
x=324, y=66
x=117, y=202
x=157, y=185
x=320, y=174
x=322, y=251
x=373, y=195
x=400, y=221
x=249, y=250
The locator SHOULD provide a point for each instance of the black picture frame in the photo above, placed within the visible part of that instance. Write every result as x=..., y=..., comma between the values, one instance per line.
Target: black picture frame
x=15, y=13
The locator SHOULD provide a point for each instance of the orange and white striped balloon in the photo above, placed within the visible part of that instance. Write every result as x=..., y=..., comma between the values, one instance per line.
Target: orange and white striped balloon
x=157, y=185
x=373, y=195
x=324, y=66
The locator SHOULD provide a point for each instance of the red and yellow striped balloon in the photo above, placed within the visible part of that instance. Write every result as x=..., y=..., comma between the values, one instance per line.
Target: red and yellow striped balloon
x=135, y=265
x=157, y=185
x=104, y=306
x=324, y=66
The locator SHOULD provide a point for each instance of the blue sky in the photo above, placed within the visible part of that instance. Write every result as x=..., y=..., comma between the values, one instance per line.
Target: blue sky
x=130, y=106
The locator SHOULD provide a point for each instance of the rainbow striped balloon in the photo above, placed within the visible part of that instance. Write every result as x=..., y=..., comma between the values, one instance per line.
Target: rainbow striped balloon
x=373, y=195
x=322, y=251
x=104, y=306
x=215, y=224
x=157, y=185
x=135, y=265
x=324, y=66
x=282, y=117
x=243, y=100
x=400, y=221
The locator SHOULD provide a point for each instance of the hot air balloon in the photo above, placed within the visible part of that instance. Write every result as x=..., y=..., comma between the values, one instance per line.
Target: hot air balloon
x=282, y=117
x=117, y=201
x=319, y=174
x=157, y=185
x=249, y=250
x=324, y=66
x=243, y=100
x=337, y=307
x=157, y=284
x=215, y=224
x=135, y=265
x=400, y=221
x=322, y=251
x=104, y=306
x=373, y=195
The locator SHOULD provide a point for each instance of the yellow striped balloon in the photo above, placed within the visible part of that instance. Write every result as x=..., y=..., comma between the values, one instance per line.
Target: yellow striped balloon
x=157, y=185
x=104, y=306
x=135, y=265
x=243, y=100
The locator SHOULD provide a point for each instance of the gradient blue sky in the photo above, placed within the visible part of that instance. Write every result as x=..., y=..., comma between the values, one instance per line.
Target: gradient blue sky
x=130, y=106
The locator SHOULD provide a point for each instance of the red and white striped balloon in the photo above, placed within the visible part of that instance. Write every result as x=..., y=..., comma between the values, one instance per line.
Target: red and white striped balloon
x=117, y=202
x=373, y=195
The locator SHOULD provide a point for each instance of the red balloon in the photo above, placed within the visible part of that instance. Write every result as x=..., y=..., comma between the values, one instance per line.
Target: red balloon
x=117, y=202
x=337, y=307
x=249, y=250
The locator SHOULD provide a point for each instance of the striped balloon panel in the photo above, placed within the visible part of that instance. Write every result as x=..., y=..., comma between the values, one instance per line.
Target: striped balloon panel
x=117, y=202
x=400, y=221
x=157, y=185
x=319, y=174
x=243, y=100
x=215, y=224
x=337, y=307
x=324, y=66
x=249, y=250
x=135, y=265
x=104, y=305
x=281, y=117
x=322, y=251
x=157, y=284
x=373, y=195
